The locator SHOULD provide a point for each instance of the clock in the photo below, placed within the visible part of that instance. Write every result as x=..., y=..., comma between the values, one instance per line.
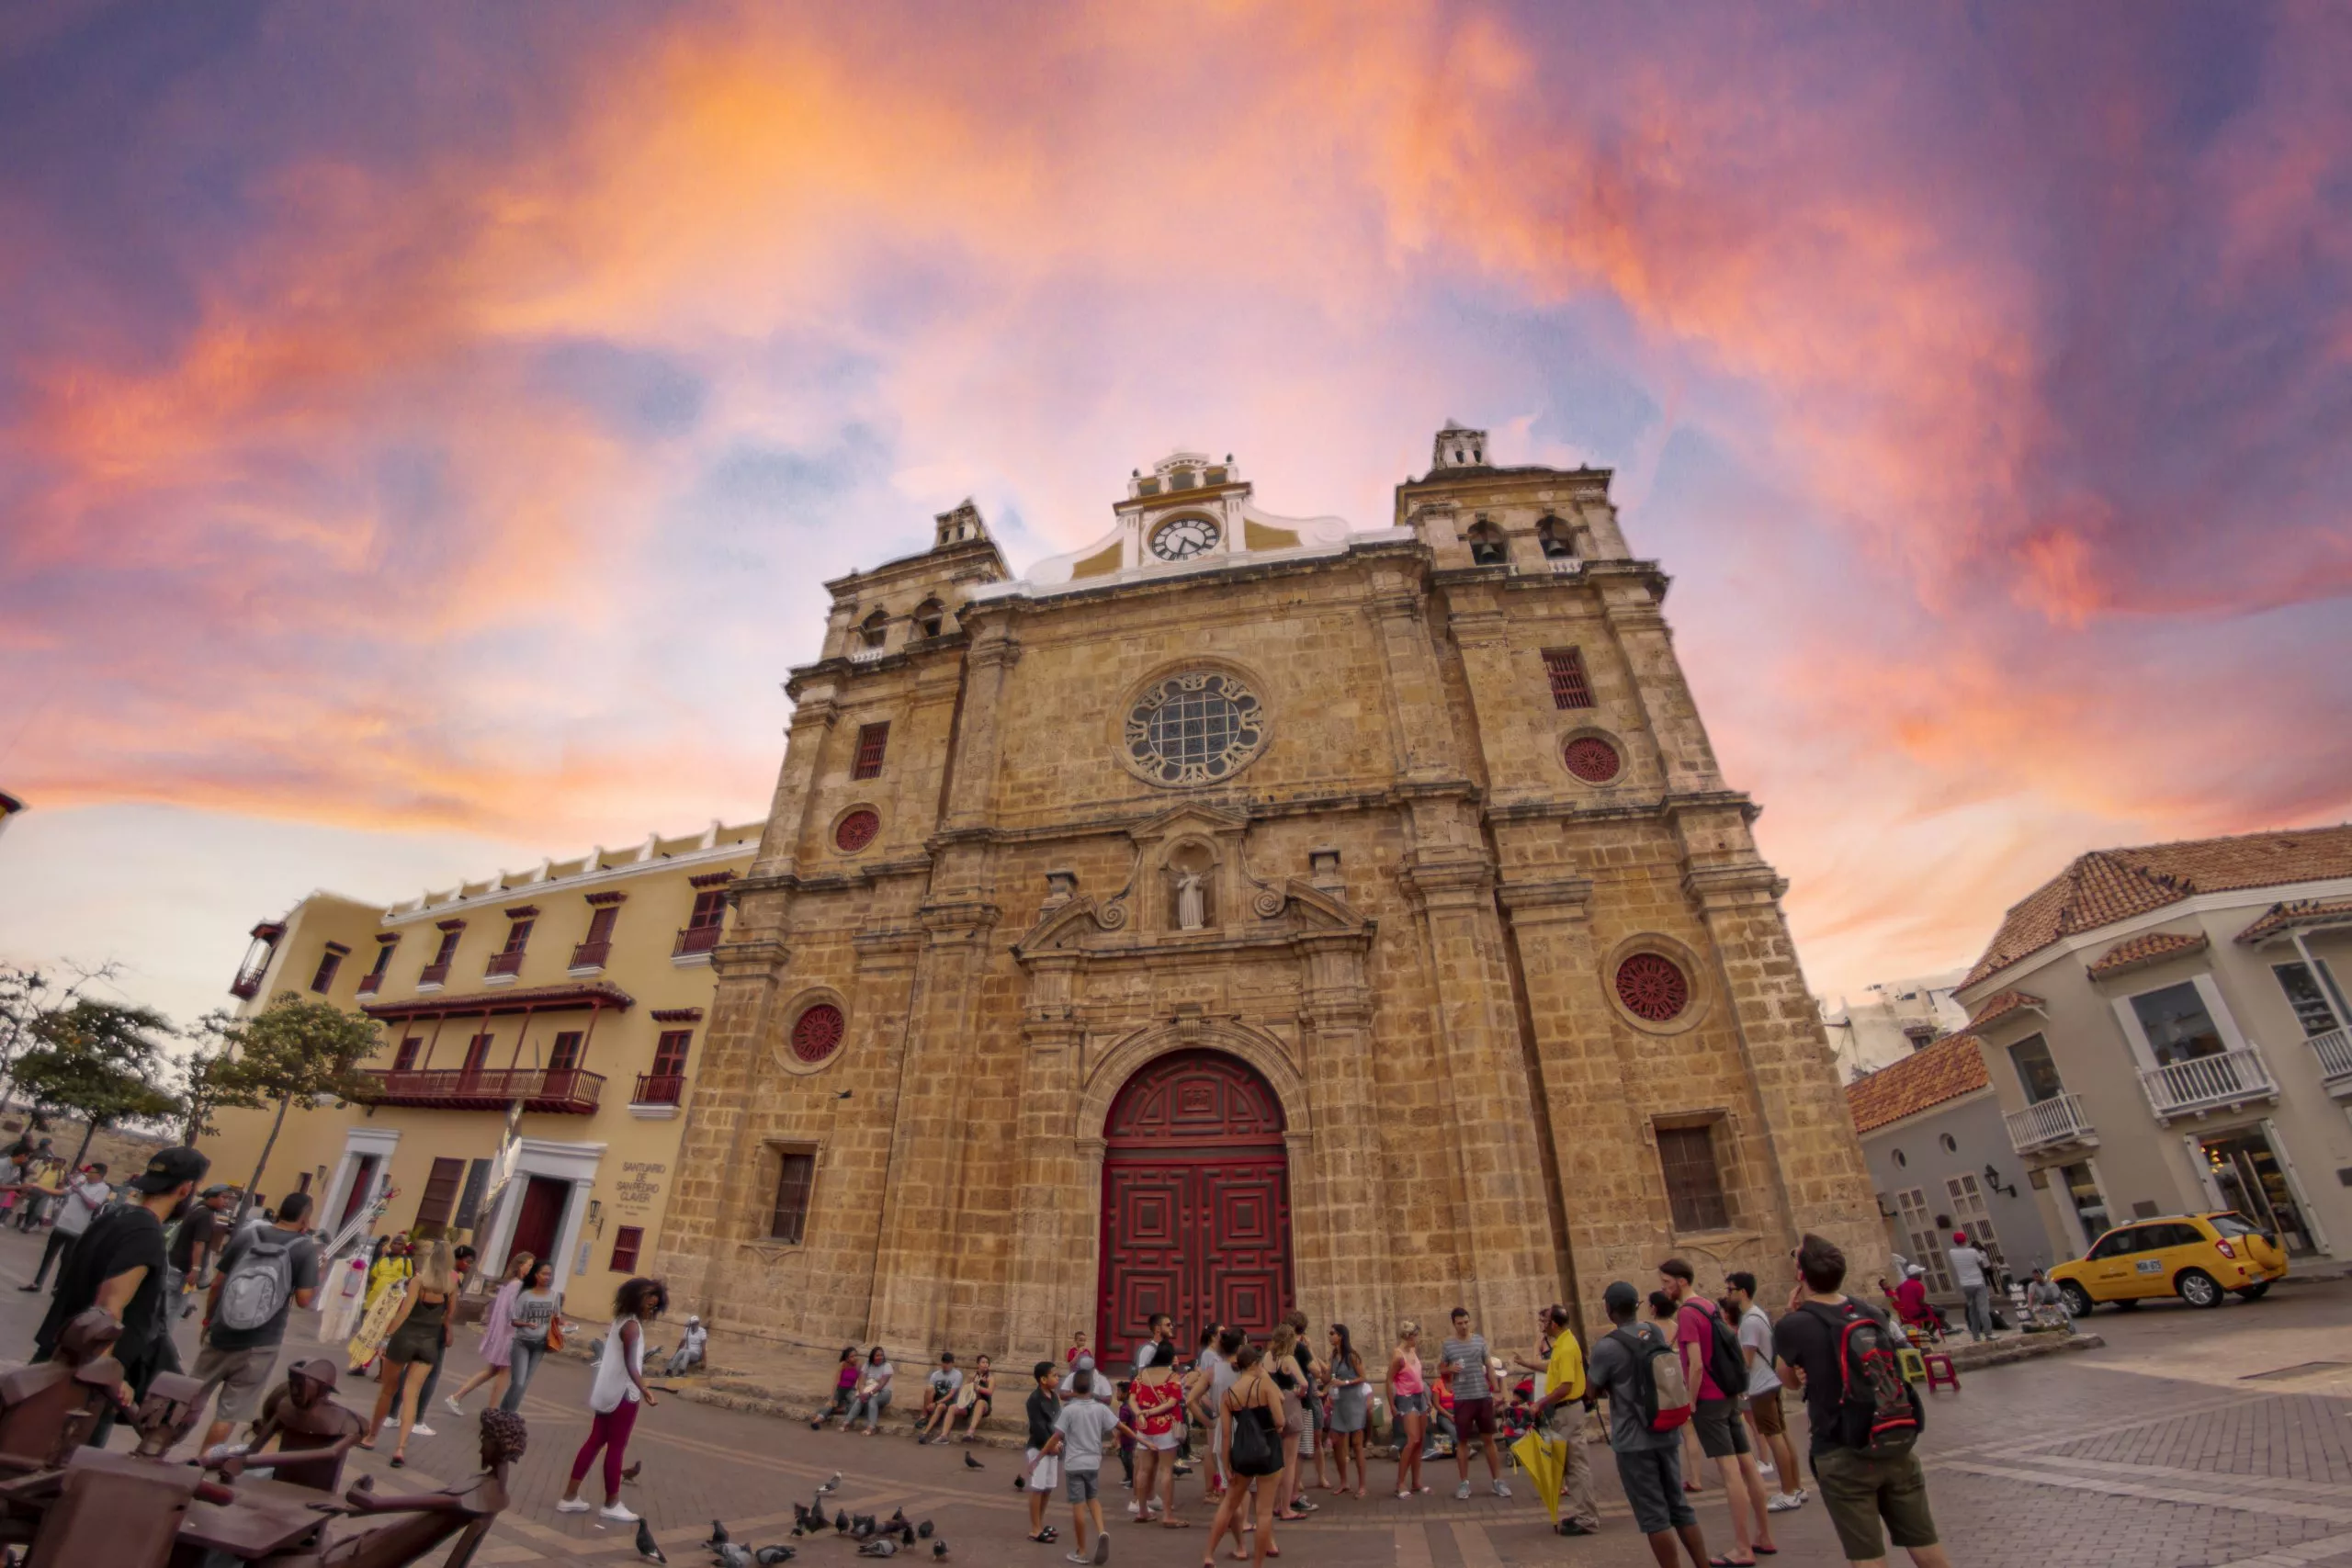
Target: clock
x=1183, y=539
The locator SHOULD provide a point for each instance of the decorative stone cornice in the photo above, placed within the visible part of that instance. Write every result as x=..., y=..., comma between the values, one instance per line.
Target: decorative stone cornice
x=1568, y=895
x=731, y=958
x=1745, y=883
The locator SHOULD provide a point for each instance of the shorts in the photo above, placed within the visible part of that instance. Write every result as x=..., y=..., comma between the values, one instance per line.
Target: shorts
x=1653, y=1482
x=242, y=1376
x=1474, y=1417
x=1411, y=1404
x=1162, y=1442
x=1079, y=1485
x=1721, y=1434
x=1045, y=1470
x=1771, y=1420
x=1860, y=1491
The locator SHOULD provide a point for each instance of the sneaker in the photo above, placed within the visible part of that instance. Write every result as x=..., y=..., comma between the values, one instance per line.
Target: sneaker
x=616, y=1512
x=1461, y=1493
x=388, y=1424
x=1782, y=1502
x=1402, y=1495
x=1135, y=1510
x=1102, y=1551
x=421, y=1430
x=451, y=1405
x=1075, y=1557
x=1501, y=1490
x=1570, y=1526
x=572, y=1504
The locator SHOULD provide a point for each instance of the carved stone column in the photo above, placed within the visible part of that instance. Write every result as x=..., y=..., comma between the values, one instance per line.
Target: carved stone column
x=707, y=1196
x=1344, y=1267
x=1629, y=602
x=1047, y=1234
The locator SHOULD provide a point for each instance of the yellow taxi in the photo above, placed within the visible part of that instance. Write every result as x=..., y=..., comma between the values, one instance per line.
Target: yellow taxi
x=2194, y=1257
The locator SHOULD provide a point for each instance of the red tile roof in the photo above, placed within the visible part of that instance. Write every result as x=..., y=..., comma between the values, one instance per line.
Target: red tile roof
x=2148, y=947
x=2106, y=886
x=1946, y=1070
x=2000, y=1005
x=2299, y=912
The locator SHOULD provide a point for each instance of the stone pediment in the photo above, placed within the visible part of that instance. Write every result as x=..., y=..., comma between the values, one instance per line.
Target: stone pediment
x=1278, y=915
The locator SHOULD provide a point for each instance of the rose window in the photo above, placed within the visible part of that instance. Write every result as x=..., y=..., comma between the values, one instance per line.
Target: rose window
x=1591, y=759
x=1194, y=729
x=1653, y=987
x=817, y=1033
x=856, y=831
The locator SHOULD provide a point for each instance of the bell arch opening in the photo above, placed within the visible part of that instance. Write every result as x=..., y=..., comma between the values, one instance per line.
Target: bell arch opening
x=1195, y=1204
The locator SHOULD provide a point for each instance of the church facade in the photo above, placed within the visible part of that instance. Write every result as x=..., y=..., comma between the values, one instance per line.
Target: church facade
x=1246, y=912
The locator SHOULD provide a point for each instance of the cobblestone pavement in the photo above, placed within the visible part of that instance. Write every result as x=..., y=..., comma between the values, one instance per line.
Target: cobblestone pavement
x=2088, y=1460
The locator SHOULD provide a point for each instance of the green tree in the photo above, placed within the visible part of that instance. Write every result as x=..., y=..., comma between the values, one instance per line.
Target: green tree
x=99, y=1060
x=209, y=1081
x=296, y=1049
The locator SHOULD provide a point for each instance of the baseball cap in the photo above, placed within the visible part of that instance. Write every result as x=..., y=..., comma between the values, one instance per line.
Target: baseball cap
x=1620, y=1297
x=219, y=1189
x=169, y=1169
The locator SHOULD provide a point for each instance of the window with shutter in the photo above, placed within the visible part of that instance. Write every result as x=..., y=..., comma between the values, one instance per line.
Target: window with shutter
x=469, y=1202
x=627, y=1241
x=329, y=961
x=669, y=1053
x=564, y=1054
x=711, y=908
x=1695, y=1187
x=405, y=1058
x=1565, y=666
x=873, y=739
x=789, y=1219
x=440, y=1200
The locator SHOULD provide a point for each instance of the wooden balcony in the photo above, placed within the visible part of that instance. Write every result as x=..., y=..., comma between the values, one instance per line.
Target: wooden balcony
x=659, y=1088
x=435, y=974
x=371, y=983
x=507, y=962
x=589, y=955
x=560, y=1091
x=2335, y=1052
x=248, y=983
x=695, y=938
x=2201, y=1084
x=2056, y=1122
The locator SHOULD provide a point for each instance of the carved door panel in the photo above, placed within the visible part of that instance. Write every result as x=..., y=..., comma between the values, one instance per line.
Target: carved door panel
x=1196, y=1218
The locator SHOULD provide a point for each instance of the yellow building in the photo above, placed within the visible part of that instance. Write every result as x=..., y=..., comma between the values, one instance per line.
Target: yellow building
x=577, y=990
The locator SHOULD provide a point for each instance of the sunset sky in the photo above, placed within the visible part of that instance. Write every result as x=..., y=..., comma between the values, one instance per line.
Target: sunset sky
x=424, y=429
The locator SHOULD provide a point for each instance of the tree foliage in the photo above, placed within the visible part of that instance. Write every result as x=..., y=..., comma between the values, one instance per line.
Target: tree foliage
x=295, y=1051
x=100, y=1060
x=209, y=1081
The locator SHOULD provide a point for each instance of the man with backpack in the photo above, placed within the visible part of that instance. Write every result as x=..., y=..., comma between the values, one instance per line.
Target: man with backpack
x=1634, y=1369
x=1865, y=1417
x=265, y=1270
x=1717, y=1373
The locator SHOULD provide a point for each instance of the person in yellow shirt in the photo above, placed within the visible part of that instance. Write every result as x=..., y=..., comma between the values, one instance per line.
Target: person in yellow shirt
x=1561, y=1411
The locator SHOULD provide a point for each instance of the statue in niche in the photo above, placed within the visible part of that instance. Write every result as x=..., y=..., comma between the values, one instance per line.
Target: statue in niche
x=1192, y=912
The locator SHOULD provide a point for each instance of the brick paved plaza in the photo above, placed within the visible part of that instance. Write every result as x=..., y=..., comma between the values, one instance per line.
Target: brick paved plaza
x=2166, y=1449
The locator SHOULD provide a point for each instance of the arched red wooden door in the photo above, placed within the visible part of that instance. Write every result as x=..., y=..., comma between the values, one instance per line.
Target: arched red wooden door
x=1196, y=1202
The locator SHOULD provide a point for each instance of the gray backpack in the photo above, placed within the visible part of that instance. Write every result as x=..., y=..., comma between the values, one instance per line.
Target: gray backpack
x=259, y=1286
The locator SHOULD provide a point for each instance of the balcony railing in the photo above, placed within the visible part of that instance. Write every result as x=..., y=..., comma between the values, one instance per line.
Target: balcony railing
x=659, y=1088
x=695, y=938
x=434, y=973
x=591, y=954
x=507, y=962
x=2334, y=1050
x=2050, y=1123
x=2207, y=1083
x=371, y=983
x=247, y=983
x=559, y=1091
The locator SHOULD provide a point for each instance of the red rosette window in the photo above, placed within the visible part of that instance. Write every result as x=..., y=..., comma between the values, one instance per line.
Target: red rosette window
x=1653, y=987
x=1591, y=759
x=817, y=1033
x=856, y=831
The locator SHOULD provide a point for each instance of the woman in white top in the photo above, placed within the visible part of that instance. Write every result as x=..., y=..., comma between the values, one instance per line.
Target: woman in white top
x=615, y=1396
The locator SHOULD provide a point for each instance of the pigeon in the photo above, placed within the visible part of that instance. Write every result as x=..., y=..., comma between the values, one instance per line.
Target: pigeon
x=832, y=1485
x=906, y=1535
x=971, y=1463
x=633, y=1471
x=799, y=1514
x=862, y=1526
x=923, y=1530
x=646, y=1546
x=769, y=1556
x=896, y=1522
x=841, y=1520
x=718, y=1536
x=731, y=1556
x=881, y=1546
x=939, y=1548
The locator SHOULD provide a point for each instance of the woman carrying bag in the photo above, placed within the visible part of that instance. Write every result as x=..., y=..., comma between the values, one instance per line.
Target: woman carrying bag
x=1250, y=1415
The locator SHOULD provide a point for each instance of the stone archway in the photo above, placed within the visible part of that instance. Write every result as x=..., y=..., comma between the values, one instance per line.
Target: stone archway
x=1196, y=1202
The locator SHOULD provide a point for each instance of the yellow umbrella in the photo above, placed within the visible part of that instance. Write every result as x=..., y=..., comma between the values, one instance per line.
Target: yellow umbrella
x=1546, y=1465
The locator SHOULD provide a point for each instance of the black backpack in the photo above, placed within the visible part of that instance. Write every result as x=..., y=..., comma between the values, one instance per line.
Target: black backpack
x=1725, y=1362
x=1877, y=1412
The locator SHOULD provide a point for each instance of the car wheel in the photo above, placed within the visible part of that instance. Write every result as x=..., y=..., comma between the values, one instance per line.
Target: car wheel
x=2255, y=1292
x=2078, y=1299
x=2198, y=1288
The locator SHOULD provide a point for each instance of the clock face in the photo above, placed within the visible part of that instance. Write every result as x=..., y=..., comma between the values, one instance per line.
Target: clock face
x=1183, y=539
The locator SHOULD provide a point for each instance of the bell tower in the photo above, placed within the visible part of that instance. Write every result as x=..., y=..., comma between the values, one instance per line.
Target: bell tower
x=1458, y=446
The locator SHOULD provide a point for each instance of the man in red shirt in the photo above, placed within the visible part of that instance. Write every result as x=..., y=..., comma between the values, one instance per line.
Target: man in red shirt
x=1722, y=1432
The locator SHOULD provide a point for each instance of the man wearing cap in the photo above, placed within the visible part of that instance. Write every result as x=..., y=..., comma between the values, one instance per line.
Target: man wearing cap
x=193, y=1241
x=1649, y=1462
x=689, y=1350
x=118, y=1267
